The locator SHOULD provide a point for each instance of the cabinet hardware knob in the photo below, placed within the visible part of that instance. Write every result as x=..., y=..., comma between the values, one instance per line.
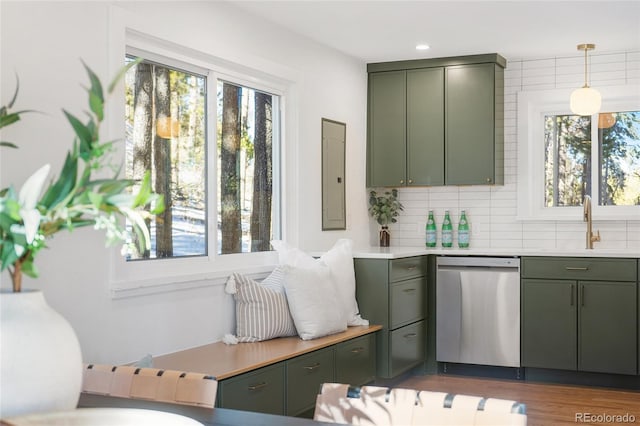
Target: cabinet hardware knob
x=410, y=180
x=576, y=268
x=357, y=350
x=402, y=181
x=312, y=367
x=258, y=386
x=410, y=335
x=488, y=179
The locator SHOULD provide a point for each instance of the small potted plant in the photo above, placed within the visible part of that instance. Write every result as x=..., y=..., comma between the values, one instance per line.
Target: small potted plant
x=384, y=209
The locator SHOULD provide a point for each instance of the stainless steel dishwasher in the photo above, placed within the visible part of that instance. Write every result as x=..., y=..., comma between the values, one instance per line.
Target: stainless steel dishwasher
x=478, y=310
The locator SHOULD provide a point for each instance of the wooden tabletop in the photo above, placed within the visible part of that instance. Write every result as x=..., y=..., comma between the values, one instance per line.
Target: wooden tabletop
x=223, y=361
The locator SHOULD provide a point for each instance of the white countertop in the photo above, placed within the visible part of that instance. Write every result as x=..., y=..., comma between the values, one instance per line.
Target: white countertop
x=400, y=252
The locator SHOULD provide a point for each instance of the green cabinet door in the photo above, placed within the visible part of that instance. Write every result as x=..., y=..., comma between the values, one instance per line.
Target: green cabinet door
x=305, y=374
x=425, y=126
x=608, y=327
x=549, y=329
x=262, y=390
x=386, y=148
x=470, y=108
x=356, y=360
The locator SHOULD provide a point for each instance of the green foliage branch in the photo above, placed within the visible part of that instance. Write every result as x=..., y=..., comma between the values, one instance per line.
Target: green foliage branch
x=75, y=199
x=386, y=207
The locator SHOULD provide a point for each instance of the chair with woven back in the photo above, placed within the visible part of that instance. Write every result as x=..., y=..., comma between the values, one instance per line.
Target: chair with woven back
x=187, y=393
x=377, y=406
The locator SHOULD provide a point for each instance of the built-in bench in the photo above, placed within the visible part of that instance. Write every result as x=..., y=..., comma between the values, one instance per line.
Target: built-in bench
x=283, y=375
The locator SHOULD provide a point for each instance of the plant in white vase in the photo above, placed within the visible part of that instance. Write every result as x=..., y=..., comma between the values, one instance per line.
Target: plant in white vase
x=40, y=359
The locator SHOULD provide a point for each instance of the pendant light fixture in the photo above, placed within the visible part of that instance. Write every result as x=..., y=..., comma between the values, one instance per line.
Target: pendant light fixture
x=585, y=101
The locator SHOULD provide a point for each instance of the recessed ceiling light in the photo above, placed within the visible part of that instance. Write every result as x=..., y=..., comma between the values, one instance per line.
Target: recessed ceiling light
x=422, y=46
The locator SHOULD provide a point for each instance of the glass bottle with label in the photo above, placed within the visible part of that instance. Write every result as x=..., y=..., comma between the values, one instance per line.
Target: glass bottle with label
x=447, y=231
x=463, y=231
x=431, y=230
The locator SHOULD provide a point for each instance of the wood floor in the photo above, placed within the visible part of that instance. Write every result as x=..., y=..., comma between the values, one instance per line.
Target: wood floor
x=547, y=404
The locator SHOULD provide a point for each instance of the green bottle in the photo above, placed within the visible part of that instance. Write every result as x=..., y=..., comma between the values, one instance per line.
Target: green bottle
x=431, y=230
x=463, y=231
x=447, y=231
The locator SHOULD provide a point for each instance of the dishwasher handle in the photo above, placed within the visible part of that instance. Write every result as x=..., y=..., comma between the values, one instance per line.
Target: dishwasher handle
x=477, y=262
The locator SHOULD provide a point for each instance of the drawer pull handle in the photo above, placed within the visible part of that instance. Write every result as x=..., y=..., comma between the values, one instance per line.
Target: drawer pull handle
x=412, y=268
x=258, y=386
x=576, y=268
x=409, y=290
x=410, y=335
x=312, y=367
x=357, y=350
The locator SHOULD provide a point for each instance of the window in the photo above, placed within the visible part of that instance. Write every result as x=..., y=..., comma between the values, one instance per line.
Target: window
x=245, y=172
x=619, y=158
x=564, y=157
x=169, y=131
x=568, y=152
x=567, y=159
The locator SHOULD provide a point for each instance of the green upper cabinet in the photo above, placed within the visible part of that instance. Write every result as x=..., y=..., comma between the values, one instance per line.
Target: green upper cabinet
x=425, y=126
x=474, y=148
x=387, y=131
x=436, y=122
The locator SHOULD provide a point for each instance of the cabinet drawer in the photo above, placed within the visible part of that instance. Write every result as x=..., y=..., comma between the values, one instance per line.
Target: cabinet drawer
x=407, y=347
x=305, y=374
x=356, y=361
x=406, y=302
x=261, y=390
x=579, y=268
x=409, y=267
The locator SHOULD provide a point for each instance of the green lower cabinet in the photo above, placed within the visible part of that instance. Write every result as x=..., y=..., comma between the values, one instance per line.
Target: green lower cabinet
x=305, y=374
x=356, y=361
x=607, y=327
x=392, y=293
x=262, y=390
x=549, y=333
x=589, y=326
x=407, y=347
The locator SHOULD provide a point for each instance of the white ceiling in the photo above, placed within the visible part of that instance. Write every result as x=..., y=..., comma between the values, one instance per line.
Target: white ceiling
x=377, y=31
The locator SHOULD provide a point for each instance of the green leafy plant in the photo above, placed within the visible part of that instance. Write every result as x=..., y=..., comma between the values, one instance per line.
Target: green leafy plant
x=75, y=199
x=385, y=208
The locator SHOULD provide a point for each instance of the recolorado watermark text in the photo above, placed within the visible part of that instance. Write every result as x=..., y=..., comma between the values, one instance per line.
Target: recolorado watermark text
x=604, y=418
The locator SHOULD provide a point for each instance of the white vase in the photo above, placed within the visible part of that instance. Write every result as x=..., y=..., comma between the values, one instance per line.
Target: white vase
x=40, y=358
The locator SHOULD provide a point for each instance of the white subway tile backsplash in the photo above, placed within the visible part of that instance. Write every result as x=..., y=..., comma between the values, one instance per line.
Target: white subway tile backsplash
x=491, y=210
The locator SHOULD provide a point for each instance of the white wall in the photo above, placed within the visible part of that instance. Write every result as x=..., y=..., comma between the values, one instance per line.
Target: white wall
x=43, y=43
x=491, y=210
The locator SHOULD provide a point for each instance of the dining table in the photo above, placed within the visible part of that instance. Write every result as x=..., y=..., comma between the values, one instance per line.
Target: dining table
x=102, y=410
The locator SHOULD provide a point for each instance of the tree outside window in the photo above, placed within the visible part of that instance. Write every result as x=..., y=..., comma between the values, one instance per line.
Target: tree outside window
x=568, y=159
x=166, y=132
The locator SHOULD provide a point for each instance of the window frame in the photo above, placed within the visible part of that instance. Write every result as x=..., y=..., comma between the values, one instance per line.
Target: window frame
x=532, y=107
x=134, y=278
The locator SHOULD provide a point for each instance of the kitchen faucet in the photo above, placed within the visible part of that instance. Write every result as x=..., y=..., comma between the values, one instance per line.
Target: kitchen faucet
x=587, y=218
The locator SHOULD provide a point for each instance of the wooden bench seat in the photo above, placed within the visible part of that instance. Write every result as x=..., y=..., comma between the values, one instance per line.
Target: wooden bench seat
x=223, y=361
x=280, y=376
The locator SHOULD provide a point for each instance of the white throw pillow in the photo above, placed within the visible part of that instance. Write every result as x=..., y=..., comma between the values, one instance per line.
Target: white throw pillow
x=313, y=301
x=339, y=259
x=262, y=311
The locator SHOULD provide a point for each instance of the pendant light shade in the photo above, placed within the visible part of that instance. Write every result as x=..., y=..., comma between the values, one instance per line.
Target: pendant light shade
x=585, y=101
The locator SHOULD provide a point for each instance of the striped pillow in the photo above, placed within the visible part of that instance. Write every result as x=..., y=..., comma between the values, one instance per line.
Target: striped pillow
x=262, y=311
